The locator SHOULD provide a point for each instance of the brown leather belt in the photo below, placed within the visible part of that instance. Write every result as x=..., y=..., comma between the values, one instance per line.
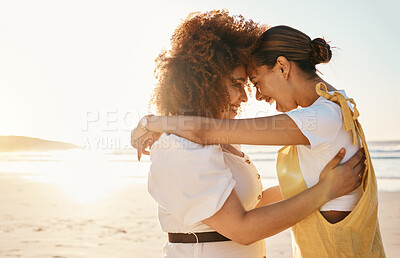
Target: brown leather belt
x=202, y=237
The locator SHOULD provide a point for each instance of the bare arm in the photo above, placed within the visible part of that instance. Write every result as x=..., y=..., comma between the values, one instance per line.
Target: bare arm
x=246, y=227
x=271, y=130
x=270, y=195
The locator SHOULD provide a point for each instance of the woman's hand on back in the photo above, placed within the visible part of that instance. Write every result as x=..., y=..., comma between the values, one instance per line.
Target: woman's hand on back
x=342, y=179
x=139, y=131
x=145, y=141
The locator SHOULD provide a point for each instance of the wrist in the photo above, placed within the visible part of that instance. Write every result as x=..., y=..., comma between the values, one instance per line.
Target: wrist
x=155, y=123
x=144, y=122
x=323, y=193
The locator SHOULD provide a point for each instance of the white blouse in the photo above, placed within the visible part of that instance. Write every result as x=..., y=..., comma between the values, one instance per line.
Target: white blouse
x=190, y=183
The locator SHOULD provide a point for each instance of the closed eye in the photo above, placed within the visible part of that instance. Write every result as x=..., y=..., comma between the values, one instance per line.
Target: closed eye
x=238, y=85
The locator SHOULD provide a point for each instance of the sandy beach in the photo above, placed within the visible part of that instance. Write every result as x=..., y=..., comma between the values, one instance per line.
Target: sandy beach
x=77, y=77
x=38, y=219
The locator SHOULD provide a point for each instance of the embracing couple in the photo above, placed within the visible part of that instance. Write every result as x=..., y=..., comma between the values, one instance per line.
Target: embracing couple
x=210, y=197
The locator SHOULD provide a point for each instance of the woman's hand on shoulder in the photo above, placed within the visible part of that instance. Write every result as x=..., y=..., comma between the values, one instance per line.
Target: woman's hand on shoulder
x=339, y=180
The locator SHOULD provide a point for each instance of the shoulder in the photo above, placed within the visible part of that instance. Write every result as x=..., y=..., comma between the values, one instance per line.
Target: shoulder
x=329, y=106
x=320, y=122
x=322, y=113
x=328, y=109
x=176, y=145
x=321, y=107
x=181, y=156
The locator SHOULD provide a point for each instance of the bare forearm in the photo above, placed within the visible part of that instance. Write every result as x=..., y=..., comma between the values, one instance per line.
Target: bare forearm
x=184, y=126
x=269, y=220
x=274, y=130
x=270, y=195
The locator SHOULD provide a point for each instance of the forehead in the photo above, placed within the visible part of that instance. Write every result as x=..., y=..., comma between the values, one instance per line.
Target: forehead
x=251, y=67
x=253, y=72
x=239, y=72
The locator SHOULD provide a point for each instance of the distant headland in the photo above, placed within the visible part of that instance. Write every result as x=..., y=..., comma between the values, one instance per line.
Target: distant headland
x=22, y=143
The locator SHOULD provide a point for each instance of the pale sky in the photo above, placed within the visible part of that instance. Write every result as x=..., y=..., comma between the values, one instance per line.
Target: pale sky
x=63, y=63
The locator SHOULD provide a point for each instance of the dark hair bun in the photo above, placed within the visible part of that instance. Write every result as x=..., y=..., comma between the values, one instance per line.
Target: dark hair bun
x=321, y=51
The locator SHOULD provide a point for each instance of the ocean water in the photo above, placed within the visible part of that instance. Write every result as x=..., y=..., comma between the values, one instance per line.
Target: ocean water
x=385, y=159
x=99, y=172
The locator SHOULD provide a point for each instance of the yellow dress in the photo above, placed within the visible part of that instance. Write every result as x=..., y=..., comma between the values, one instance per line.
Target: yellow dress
x=357, y=235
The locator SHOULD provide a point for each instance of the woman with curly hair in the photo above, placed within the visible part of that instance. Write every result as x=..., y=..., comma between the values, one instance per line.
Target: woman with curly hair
x=210, y=197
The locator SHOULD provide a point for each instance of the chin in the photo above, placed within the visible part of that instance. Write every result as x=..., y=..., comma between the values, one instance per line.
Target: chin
x=279, y=108
x=232, y=115
x=228, y=115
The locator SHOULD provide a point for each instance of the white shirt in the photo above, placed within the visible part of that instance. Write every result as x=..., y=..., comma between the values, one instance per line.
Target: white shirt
x=190, y=183
x=322, y=124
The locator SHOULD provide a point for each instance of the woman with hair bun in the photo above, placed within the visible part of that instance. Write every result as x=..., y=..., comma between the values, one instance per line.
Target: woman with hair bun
x=317, y=121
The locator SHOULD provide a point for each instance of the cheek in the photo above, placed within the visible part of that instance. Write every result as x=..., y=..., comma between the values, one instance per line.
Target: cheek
x=270, y=87
x=264, y=88
x=234, y=95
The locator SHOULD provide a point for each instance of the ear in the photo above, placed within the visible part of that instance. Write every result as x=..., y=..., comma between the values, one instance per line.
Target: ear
x=284, y=66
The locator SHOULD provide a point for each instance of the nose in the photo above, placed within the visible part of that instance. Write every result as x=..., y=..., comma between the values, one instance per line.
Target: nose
x=259, y=97
x=243, y=95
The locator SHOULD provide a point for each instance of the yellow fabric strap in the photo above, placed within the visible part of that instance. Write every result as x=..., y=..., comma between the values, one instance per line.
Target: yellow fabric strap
x=348, y=114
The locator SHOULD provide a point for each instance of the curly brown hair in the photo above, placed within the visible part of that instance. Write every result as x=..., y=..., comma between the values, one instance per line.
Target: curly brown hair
x=206, y=47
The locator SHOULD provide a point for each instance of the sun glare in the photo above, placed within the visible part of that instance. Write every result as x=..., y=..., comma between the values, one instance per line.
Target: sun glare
x=85, y=176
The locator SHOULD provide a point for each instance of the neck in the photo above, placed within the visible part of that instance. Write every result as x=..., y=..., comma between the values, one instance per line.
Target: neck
x=305, y=91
